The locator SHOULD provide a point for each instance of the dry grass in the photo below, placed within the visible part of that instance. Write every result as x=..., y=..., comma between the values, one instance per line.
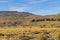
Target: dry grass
x=20, y=31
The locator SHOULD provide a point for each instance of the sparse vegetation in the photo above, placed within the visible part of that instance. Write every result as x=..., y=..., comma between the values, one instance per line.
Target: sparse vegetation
x=27, y=26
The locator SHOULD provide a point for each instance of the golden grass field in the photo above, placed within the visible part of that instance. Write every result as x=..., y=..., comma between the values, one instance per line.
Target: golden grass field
x=29, y=33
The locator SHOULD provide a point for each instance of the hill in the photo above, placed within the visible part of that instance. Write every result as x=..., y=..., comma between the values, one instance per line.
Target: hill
x=15, y=13
x=14, y=18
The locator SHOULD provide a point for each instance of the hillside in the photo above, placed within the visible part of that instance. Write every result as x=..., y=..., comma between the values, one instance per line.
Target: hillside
x=14, y=18
x=15, y=13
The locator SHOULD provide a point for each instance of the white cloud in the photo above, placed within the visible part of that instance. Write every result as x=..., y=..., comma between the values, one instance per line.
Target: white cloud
x=55, y=10
x=20, y=9
x=36, y=1
x=5, y=1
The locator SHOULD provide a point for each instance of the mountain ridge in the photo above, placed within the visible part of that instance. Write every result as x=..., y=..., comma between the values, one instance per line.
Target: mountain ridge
x=15, y=13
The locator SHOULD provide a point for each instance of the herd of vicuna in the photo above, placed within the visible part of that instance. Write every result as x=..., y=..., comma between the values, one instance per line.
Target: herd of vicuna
x=46, y=19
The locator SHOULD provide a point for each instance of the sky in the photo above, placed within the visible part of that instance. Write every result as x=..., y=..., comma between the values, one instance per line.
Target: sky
x=39, y=7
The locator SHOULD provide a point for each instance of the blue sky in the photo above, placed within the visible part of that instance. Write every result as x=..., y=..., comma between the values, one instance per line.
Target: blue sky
x=39, y=7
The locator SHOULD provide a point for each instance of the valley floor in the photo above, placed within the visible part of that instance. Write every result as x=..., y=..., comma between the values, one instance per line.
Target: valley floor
x=29, y=33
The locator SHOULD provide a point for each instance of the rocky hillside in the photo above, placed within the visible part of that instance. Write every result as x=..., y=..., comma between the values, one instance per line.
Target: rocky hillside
x=15, y=13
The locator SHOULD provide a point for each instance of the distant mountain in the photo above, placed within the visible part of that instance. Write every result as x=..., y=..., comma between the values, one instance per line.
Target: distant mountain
x=25, y=14
x=15, y=13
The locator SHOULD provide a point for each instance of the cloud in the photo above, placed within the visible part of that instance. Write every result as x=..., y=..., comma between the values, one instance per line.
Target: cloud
x=5, y=1
x=37, y=1
x=51, y=11
x=20, y=9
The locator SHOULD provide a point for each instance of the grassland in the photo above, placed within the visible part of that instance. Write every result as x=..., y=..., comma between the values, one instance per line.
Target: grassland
x=19, y=26
x=29, y=33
